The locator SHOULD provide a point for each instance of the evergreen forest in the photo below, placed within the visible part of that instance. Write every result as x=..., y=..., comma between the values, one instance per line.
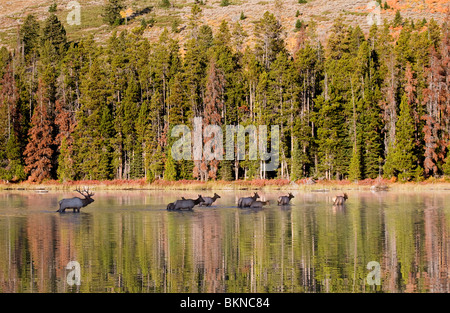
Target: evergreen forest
x=352, y=106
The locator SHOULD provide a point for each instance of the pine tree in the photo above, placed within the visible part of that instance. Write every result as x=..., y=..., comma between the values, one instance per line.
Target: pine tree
x=371, y=134
x=309, y=65
x=402, y=161
x=94, y=130
x=55, y=33
x=269, y=39
x=65, y=170
x=214, y=105
x=126, y=115
x=8, y=101
x=29, y=36
x=398, y=19
x=333, y=145
x=446, y=166
x=194, y=74
x=39, y=152
x=354, y=172
x=112, y=10
x=170, y=172
x=64, y=121
x=298, y=25
x=436, y=116
x=149, y=131
x=15, y=169
x=194, y=20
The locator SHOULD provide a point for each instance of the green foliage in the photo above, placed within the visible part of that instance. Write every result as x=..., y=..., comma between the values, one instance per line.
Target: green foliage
x=224, y=3
x=402, y=161
x=29, y=35
x=269, y=39
x=446, y=166
x=65, y=163
x=341, y=110
x=92, y=137
x=53, y=7
x=175, y=24
x=354, y=172
x=398, y=19
x=54, y=32
x=333, y=144
x=165, y=4
x=111, y=14
x=170, y=172
x=298, y=25
x=15, y=170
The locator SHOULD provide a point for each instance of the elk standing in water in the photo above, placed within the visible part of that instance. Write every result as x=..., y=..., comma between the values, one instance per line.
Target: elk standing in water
x=340, y=199
x=170, y=206
x=258, y=204
x=246, y=202
x=284, y=200
x=209, y=200
x=76, y=203
x=185, y=204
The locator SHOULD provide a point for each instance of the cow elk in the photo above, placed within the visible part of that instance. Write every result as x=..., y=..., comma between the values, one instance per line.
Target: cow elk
x=247, y=201
x=340, y=199
x=284, y=200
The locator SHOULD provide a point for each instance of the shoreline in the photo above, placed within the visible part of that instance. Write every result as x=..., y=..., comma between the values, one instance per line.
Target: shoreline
x=257, y=184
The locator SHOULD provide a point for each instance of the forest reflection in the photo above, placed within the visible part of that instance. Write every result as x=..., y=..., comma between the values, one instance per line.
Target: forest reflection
x=128, y=242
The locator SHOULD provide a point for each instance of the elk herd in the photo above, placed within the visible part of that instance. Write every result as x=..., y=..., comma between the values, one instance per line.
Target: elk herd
x=252, y=202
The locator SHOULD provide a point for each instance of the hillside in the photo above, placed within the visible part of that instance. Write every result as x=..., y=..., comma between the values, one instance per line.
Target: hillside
x=323, y=12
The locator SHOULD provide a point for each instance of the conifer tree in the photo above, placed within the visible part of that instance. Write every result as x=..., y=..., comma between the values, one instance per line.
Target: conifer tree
x=269, y=39
x=39, y=152
x=214, y=105
x=402, y=161
x=355, y=165
x=398, y=19
x=65, y=169
x=112, y=10
x=94, y=131
x=194, y=20
x=65, y=123
x=332, y=141
x=55, y=33
x=436, y=117
x=29, y=36
x=15, y=169
x=170, y=172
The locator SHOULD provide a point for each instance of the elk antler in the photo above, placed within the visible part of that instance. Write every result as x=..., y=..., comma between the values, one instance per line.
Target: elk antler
x=85, y=192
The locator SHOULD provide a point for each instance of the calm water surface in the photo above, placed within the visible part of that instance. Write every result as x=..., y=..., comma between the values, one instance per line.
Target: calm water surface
x=128, y=242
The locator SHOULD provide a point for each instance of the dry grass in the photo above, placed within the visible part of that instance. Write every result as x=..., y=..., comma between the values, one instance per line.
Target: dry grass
x=257, y=184
x=324, y=12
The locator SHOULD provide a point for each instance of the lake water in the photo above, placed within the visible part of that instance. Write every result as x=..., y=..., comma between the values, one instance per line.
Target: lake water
x=126, y=241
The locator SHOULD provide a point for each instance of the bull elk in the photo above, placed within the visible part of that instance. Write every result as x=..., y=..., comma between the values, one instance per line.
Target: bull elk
x=76, y=203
